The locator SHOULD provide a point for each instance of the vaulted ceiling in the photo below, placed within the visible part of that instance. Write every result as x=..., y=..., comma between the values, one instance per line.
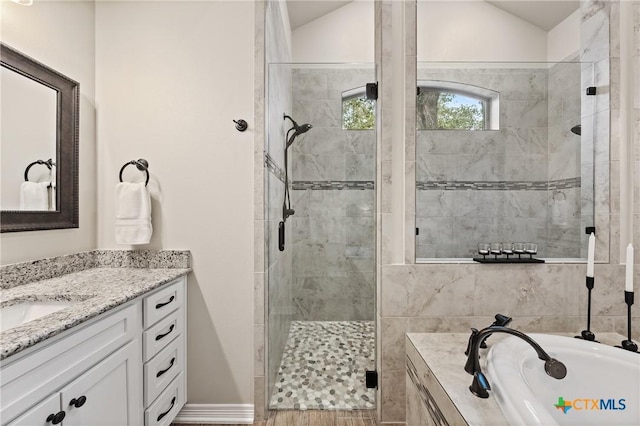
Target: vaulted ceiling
x=544, y=14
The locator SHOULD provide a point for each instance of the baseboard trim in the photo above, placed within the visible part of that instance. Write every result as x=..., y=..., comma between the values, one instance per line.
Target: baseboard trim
x=215, y=414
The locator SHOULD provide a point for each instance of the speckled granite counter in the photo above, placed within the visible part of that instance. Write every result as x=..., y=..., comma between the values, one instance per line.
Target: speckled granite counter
x=435, y=369
x=95, y=290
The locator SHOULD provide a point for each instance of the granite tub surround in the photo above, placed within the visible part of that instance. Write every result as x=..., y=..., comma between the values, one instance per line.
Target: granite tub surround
x=438, y=387
x=93, y=290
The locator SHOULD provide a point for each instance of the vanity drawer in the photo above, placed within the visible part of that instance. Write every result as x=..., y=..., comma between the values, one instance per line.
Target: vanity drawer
x=163, y=302
x=162, y=368
x=168, y=404
x=158, y=336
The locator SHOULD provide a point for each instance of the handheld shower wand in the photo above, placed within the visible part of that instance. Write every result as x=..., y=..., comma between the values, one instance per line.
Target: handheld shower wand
x=286, y=203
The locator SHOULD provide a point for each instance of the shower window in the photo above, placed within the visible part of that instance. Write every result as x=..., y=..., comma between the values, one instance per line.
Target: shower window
x=358, y=112
x=447, y=105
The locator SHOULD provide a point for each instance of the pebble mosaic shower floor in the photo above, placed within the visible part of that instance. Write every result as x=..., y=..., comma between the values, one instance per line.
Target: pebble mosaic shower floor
x=323, y=366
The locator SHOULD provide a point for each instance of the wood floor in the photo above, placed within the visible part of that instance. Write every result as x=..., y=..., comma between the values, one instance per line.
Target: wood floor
x=316, y=418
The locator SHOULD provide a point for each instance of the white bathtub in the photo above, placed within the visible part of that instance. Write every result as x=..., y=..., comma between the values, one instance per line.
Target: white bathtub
x=602, y=386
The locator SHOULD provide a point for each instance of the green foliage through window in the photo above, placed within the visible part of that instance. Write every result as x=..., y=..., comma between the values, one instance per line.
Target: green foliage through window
x=358, y=114
x=441, y=110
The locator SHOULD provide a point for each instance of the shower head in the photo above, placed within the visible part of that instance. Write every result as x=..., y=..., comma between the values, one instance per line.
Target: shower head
x=297, y=130
x=303, y=129
x=577, y=130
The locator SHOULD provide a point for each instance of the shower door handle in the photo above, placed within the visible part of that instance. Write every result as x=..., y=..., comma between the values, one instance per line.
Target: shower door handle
x=281, y=236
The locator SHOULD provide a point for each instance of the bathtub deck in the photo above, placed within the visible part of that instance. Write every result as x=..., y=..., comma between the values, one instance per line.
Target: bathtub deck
x=437, y=385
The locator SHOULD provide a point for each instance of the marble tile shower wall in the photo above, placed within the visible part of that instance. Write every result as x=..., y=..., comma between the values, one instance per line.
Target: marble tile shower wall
x=278, y=264
x=334, y=224
x=510, y=167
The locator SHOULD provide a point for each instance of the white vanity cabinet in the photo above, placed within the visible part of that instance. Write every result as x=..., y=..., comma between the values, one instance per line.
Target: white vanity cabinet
x=124, y=367
x=164, y=354
x=98, y=397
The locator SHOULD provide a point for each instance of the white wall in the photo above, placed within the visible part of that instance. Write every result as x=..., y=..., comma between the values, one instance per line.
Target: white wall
x=170, y=78
x=563, y=41
x=475, y=31
x=61, y=35
x=343, y=35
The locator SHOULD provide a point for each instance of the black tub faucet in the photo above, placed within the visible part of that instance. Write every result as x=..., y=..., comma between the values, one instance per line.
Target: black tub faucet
x=480, y=386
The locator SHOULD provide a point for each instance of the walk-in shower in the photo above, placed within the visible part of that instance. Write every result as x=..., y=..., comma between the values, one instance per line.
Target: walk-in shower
x=321, y=288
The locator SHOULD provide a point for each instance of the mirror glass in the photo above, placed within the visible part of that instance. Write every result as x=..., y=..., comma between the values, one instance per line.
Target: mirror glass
x=38, y=145
x=28, y=135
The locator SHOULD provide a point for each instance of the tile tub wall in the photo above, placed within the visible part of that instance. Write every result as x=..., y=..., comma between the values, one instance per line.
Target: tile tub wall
x=486, y=186
x=333, y=195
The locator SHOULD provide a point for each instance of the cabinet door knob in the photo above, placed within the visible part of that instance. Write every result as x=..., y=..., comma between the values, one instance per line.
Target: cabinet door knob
x=160, y=336
x=160, y=305
x=160, y=373
x=78, y=402
x=56, y=418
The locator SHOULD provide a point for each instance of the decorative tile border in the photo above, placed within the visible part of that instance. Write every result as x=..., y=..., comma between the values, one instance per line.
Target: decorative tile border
x=499, y=185
x=273, y=167
x=25, y=272
x=331, y=185
x=430, y=403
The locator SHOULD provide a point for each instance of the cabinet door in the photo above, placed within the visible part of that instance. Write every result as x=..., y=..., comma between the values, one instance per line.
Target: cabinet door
x=38, y=415
x=108, y=394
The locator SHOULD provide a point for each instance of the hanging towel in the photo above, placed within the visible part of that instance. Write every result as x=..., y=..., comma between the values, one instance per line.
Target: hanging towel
x=34, y=196
x=52, y=197
x=133, y=213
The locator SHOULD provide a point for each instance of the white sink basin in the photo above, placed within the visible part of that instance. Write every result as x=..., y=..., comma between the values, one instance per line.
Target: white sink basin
x=23, y=312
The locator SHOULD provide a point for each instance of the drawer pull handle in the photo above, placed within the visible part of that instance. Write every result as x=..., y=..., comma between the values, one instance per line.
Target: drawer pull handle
x=56, y=418
x=78, y=402
x=160, y=336
x=160, y=373
x=173, y=401
x=160, y=305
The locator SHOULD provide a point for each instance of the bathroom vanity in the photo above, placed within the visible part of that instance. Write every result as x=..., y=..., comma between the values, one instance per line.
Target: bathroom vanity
x=112, y=352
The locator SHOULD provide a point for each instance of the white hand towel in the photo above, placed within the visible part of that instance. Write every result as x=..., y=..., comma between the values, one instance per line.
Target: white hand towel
x=133, y=213
x=34, y=196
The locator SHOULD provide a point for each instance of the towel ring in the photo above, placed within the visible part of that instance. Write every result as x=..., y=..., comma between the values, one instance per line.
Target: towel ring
x=49, y=163
x=141, y=164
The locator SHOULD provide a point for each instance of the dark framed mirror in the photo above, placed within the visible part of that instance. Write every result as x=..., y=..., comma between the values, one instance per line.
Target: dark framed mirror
x=40, y=127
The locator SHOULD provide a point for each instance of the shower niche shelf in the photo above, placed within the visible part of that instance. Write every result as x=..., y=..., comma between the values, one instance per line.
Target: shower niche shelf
x=507, y=260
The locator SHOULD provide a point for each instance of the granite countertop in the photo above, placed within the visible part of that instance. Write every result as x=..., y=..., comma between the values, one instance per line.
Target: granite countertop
x=444, y=355
x=95, y=290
